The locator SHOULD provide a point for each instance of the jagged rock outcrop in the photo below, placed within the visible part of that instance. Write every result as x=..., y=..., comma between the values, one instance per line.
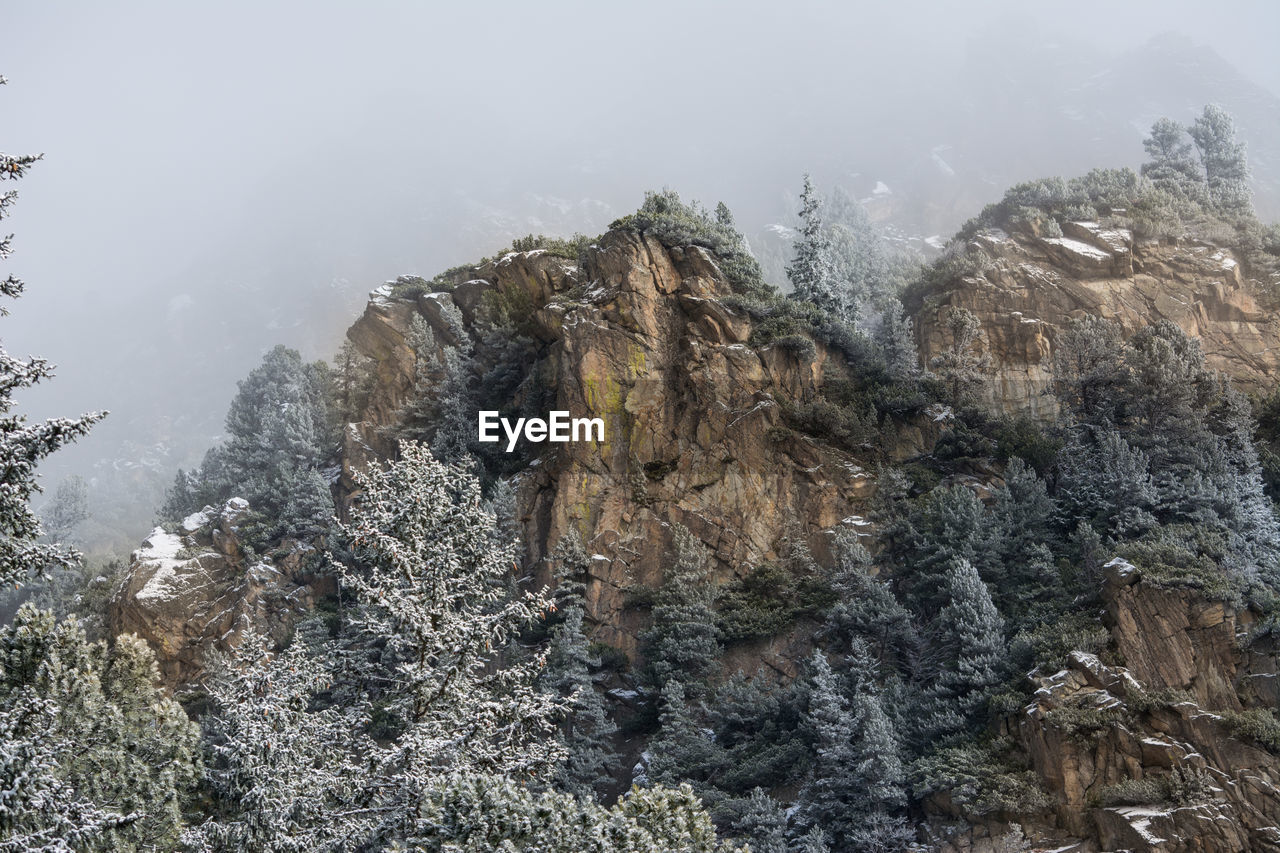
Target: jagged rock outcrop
x=694, y=432
x=193, y=590
x=1035, y=284
x=1141, y=757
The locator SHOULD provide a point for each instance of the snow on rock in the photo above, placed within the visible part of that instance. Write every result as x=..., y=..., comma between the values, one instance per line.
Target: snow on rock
x=159, y=553
x=881, y=189
x=1079, y=248
x=194, y=522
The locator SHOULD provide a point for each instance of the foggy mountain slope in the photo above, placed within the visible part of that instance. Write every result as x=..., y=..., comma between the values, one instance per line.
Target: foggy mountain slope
x=261, y=207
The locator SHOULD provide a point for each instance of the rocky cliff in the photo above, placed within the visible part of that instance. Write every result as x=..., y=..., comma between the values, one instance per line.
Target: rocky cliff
x=1144, y=750
x=694, y=430
x=195, y=590
x=1024, y=287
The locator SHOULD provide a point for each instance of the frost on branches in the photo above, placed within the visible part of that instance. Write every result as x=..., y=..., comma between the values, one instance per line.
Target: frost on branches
x=432, y=581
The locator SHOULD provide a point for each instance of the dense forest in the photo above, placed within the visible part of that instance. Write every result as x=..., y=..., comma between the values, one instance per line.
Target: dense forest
x=440, y=696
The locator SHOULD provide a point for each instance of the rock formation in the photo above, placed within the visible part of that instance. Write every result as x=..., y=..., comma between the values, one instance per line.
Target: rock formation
x=192, y=591
x=641, y=335
x=1032, y=285
x=694, y=433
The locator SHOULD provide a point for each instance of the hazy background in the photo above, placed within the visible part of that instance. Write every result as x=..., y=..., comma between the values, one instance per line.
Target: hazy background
x=221, y=179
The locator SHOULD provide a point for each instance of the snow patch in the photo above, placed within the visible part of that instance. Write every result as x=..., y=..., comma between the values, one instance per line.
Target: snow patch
x=160, y=550
x=1078, y=247
x=881, y=189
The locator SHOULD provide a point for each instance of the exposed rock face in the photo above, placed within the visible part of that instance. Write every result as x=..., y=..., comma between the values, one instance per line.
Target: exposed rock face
x=191, y=591
x=1036, y=284
x=1213, y=792
x=690, y=412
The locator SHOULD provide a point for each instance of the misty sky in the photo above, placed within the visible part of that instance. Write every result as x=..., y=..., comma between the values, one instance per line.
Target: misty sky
x=223, y=177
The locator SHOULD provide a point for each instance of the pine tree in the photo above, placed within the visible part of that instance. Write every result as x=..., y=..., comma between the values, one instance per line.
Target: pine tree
x=1088, y=369
x=813, y=278
x=920, y=546
x=959, y=367
x=68, y=507
x=1172, y=165
x=287, y=776
x=684, y=749
x=22, y=445
x=481, y=812
x=762, y=823
x=683, y=642
x=866, y=609
x=309, y=508
x=1226, y=168
x=109, y=758
x=968, y=641
x=587, y=730
x=897, y=341
x=281, y=424
x=431, y=584
x=1013, y=557
x=857, y=772
x=354, y=380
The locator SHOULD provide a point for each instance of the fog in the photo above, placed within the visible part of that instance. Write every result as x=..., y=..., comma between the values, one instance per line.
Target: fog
x=222, y=179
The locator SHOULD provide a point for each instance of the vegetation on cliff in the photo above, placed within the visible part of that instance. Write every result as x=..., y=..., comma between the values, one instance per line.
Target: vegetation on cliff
x=443, y=699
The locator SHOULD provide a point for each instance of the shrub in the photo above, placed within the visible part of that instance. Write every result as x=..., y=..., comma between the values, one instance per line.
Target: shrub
x=982, y=778
x=1257, y=724
x=1180, y=786
x=1174, y=557
x=767, y=601
x=675, y=223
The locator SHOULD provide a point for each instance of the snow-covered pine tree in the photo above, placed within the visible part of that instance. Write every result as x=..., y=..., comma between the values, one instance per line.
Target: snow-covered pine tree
x=1172, y=166
x=684, y=747
x=587, y=730
x=970, y=652
x=812, y=274
x=22, y=445
x=897, y=341
x=1013, y=558
x=832, y=798
x=683, y=642
x=92, y=750
x=960, y=368
x=287, y=776
x=431, y=583
x=1226, y=169
x=858, y=777
x=762, y=823
x=478, y=813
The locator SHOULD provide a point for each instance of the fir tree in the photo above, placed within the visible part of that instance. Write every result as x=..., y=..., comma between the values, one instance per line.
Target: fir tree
x=431, y=584
x=684, y=642
x=813, y=278
x=22, y=445
x=1226, y=168
x=109, y=759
